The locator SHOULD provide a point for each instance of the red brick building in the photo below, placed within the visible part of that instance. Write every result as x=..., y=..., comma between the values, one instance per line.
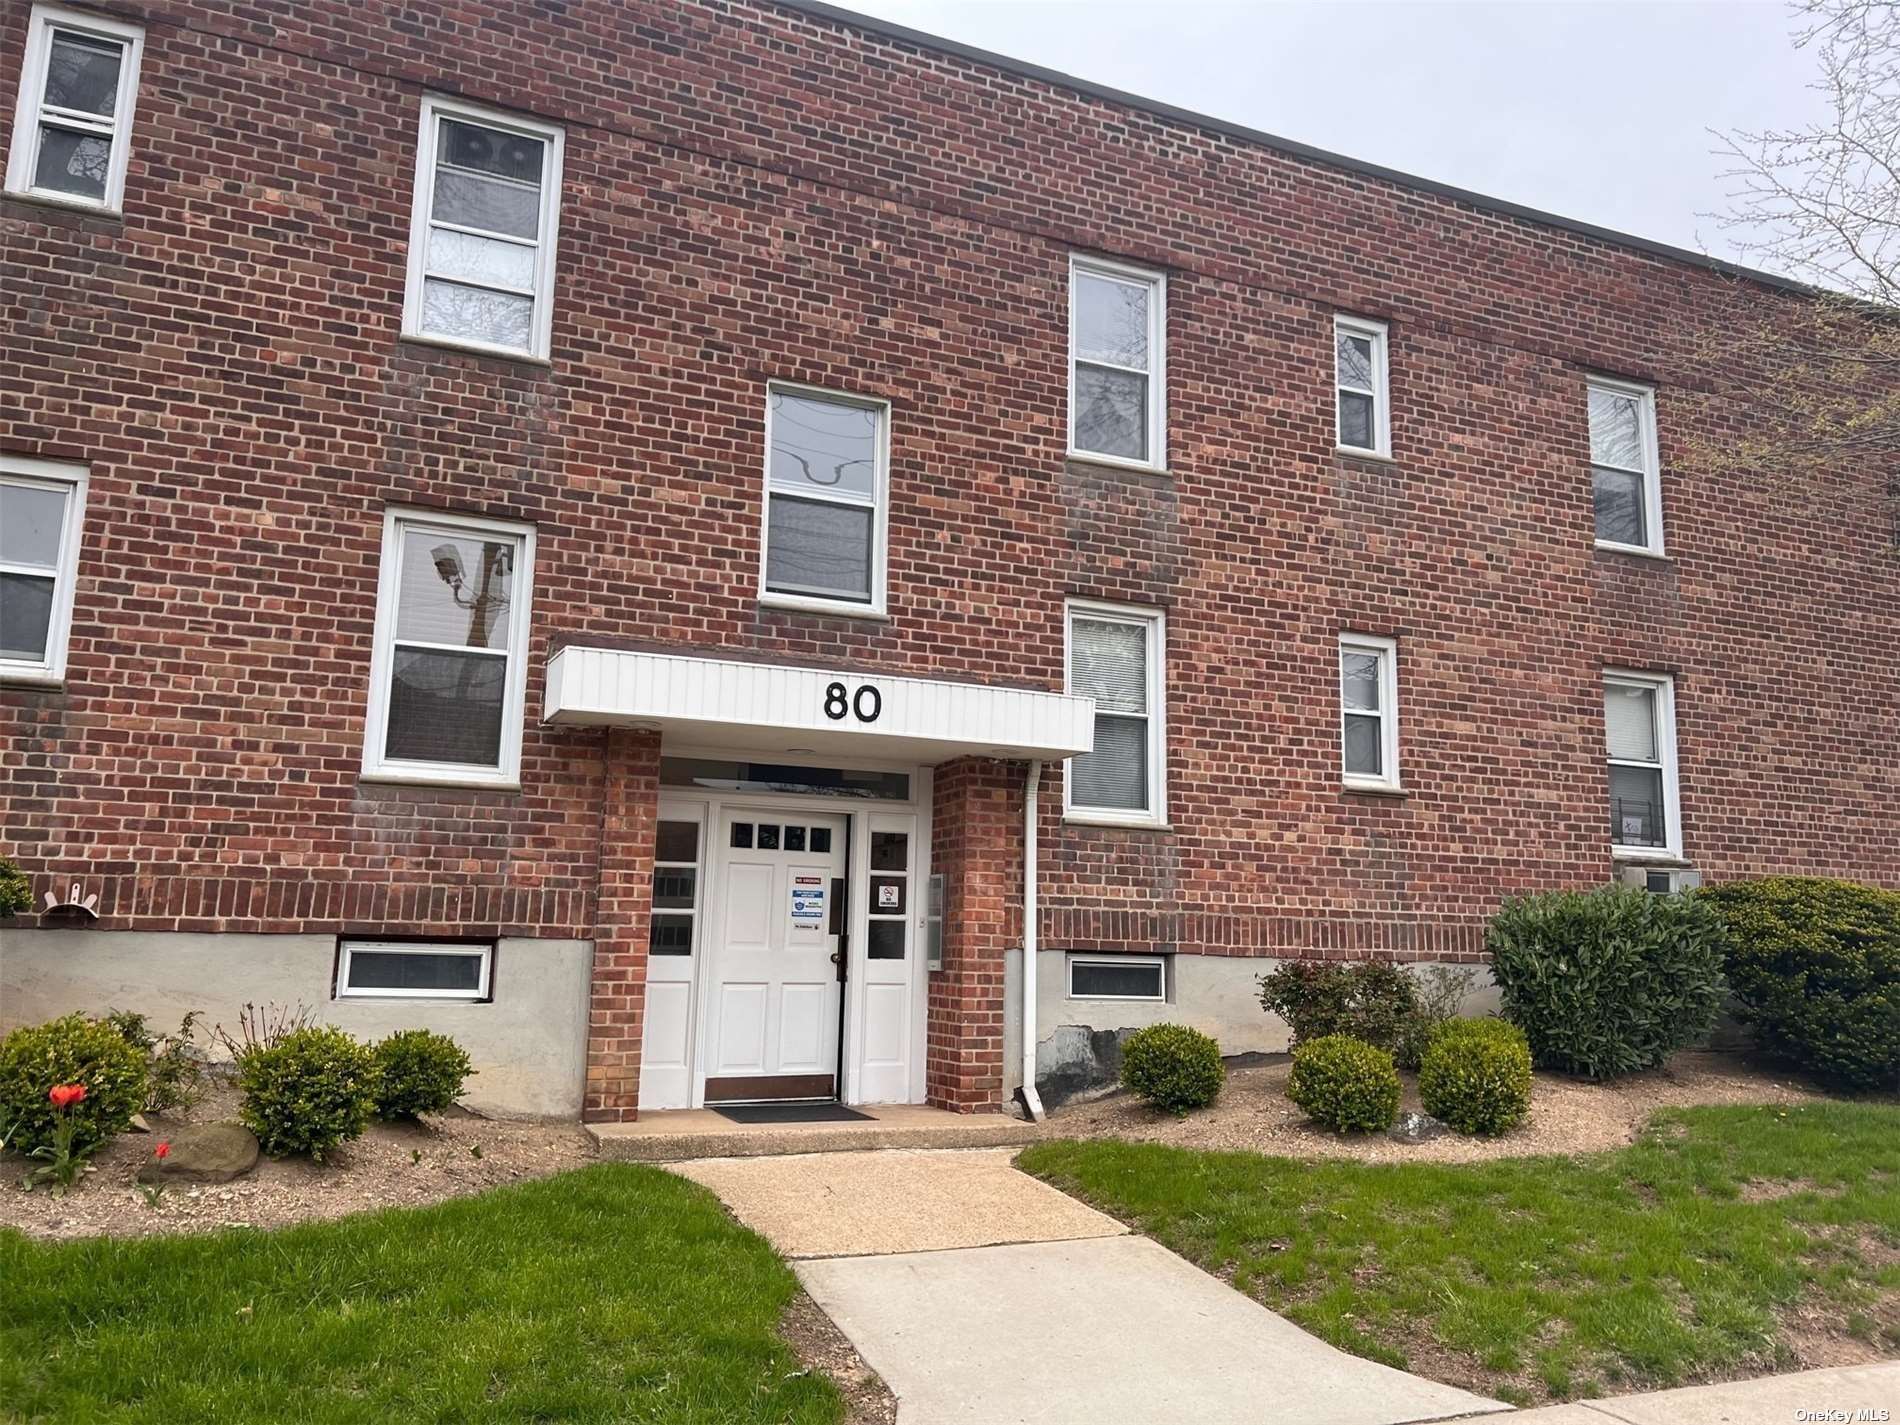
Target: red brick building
x=601, y=528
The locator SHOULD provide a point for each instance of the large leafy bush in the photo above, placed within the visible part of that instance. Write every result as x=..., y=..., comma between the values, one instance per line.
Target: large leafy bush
x=1476, y=1075
x=1609, y=981
x=1345, y=1083
x=1815, y=968
x=72, y=1050
x=1172, y=1067
x=1373, y=1000
x=418, y=1071
x=311, y=1090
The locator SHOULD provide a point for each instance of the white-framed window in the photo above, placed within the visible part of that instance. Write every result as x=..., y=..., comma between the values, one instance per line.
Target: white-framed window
x=413, y=969
x=449, y=670
x=1117, y=656
x=72, y=127
x=1369, y=711
x=1639, y=722
x=481, y=235
x=1118, y=370
x=673, y=925
x=1125, y=977
x=42, y=510
x=1625, y=470
x=1362, y=386
x=827, y=496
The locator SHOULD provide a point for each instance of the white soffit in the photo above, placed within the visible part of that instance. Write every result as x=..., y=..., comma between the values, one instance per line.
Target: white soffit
x=773, y=708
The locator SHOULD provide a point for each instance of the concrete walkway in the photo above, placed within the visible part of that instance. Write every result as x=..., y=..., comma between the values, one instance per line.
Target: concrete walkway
x=1837, y=1394
x=983, y=1296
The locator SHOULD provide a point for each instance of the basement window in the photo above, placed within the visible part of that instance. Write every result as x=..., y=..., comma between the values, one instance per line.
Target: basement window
x=72, y=127
x=413, y=969
x=1124, y=977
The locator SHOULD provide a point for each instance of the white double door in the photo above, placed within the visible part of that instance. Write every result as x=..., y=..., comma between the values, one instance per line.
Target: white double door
x=777, y=983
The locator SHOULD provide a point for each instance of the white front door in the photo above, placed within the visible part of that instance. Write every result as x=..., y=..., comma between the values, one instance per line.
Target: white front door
x=774, y=986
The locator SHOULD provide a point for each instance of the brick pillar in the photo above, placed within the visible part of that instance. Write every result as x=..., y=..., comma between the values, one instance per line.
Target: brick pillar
x=977, y=846
x=616, y=1013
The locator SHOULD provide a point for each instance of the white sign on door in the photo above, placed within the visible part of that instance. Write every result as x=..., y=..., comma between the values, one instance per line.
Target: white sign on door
x=808, y=904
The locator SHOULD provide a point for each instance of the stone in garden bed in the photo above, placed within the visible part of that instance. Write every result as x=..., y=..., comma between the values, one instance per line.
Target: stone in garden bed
x=1416, y=1128
x=204, y=1153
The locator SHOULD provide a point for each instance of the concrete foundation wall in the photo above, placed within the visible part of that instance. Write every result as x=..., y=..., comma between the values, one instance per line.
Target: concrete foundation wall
x=528, y=1044
x=1078, y=1041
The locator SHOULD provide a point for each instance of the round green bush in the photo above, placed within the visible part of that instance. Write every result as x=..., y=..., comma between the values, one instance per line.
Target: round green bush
x=1476, y=1075
x=1609, y=981
x=308, y=1092
x=1172, y=1067
x=1345, y=1084
x=418, y=1071
x=72, y=1050
x=1815, y=968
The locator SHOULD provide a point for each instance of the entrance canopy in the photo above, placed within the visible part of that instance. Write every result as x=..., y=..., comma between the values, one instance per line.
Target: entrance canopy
x=769, y=707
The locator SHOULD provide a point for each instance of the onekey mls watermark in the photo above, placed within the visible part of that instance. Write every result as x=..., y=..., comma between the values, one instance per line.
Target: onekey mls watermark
x=1850, y=1416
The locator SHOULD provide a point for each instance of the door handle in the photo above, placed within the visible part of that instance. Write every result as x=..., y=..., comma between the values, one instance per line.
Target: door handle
x=834, y=957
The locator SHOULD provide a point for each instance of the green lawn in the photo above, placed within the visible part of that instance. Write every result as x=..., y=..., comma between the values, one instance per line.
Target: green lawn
x=1671, y=1260
x=613, y=1293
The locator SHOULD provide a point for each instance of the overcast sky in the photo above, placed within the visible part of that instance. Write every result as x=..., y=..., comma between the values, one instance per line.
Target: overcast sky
x=1595, y=111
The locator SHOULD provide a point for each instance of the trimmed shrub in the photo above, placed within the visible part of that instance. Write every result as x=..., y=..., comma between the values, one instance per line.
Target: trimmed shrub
x=311, y=1090
x=1609, y=981
x=418, y=1071
x=72, y=1050
x=1476, y=1075
x=1367, y=999
x=16, y=892
x=1815, y=968
x=1345, y=1083
x=1172, y=1067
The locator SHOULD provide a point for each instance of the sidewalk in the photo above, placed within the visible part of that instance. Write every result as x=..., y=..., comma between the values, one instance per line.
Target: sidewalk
x=1836, y=1396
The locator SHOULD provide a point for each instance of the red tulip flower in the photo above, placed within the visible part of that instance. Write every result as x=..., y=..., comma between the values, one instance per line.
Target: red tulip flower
x=63, y=1096
x=162, y=1151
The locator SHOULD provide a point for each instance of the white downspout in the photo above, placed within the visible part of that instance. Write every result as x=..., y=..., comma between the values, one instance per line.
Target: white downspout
x=1032, y=1103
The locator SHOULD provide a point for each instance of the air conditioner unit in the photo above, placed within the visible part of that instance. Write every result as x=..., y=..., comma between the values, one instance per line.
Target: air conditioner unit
x=1663, y=881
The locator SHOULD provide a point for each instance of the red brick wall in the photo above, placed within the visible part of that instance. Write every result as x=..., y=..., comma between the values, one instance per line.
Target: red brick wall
x=616, y=1008
x=977, y=847
x=753, y=194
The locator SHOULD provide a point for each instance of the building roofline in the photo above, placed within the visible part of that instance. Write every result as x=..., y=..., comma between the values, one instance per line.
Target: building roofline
x=818, y=9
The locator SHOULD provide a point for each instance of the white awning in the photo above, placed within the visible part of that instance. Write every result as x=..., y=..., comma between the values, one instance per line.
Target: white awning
x=769, y=707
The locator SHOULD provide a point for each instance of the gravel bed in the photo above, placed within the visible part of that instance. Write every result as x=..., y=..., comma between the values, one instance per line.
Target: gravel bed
x=1567, y=1115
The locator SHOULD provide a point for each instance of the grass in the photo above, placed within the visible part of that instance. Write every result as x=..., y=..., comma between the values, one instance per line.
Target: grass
x=615, y=1293
x=1675, y=1259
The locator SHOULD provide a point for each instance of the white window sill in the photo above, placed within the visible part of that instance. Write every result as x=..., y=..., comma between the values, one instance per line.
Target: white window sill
x=1375, y=789
x=31, y=678
x=797, y=603
x=65, y=202
x=1653, y=854
x=1117, y=823
x=1609, y=548
x=1383, y=457
x=1119, y=462
x=391, y=777
x=476, y=348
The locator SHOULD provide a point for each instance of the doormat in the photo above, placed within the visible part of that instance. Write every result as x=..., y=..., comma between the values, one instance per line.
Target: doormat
x=788, y=1113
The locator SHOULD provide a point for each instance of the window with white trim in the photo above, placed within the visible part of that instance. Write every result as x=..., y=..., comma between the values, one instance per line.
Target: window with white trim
x=1369, y=711
x=413, y=969
x=450, y=661
x=42, y=508
x=1639, y=720
x=1115, y=656
x=1128, y=977
x=1118, y=408
x=826, y=488
x=481, y=237
x=672, y=925
x=1361, y=386
x=1625, y=470
x=72, y=126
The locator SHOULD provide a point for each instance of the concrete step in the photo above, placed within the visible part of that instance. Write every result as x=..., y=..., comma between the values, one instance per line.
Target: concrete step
x=674, y=1135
